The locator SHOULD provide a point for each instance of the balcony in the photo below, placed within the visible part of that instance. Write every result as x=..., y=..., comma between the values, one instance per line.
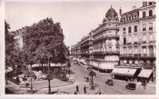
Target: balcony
x=105, y=52
x=106, y=36
x=138, y=56
x=148, y=56
x=148, y=17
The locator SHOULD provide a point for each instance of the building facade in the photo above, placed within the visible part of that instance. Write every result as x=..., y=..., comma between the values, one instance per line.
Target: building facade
x=137, y=36
x=105, y=42
x=124, y=39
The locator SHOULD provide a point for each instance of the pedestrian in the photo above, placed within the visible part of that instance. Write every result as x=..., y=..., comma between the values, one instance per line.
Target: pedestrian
x=144, y=84
x=77, y=88
x=17, y=79
x=100, y=92
x=75, y=92
x=85, y=89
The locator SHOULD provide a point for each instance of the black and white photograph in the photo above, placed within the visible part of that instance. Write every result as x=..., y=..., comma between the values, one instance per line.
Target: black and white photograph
x=93, y=47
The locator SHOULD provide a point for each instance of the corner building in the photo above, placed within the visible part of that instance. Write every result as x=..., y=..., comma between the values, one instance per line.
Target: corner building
x=124, y=43
x=105, y=42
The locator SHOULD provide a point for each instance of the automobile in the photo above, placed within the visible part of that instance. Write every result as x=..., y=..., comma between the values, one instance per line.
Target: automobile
x=89, y=68
x=109, y=82
x=86, y=79
x=43, y=77
x=131, y=86
x=82, y=61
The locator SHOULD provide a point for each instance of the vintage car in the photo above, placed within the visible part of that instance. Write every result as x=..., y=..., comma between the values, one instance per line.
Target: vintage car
x=109, y=82
x=131, y=86
x=86, y=79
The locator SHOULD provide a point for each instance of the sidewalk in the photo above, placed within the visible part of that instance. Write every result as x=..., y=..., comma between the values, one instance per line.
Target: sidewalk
x=55, y=85
x=41, y=87
x=16, y=89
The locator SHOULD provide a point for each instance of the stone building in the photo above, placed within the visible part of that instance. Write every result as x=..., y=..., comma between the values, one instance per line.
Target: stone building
x=137, y=36
x=105, y=43
x=101, y=46
x=127, y=39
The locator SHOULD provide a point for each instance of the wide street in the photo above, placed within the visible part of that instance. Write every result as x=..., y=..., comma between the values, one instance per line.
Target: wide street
x=77, y=77
x=80, y=72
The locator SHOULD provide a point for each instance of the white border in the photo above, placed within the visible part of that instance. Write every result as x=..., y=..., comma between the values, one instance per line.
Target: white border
x=2, y=68
x=2, y=47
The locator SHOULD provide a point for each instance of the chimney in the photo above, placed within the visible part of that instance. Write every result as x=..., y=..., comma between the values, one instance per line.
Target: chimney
x=120, y=11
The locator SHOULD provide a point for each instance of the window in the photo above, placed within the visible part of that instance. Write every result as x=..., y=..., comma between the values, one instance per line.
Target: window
x=144, y=4
x=135, y=28
x=151, y=26
x=144, y=27
x=150, y=3
x=150, y=13
x=129, y=29
x=124, y=29
x=144, y=14
x=124, y=40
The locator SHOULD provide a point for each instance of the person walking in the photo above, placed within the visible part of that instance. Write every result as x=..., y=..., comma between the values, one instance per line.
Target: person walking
x=85, y=89
x=144, y=84
x=77, y=88
x=99, y=91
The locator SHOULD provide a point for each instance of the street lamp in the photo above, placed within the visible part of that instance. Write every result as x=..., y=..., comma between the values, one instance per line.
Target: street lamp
x=49, y=76
x=31, y=75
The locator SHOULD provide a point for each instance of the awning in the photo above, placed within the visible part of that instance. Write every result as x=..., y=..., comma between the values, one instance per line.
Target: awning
x=103, y=66
x=145, y=73
x=109, y=66
x=124, y=71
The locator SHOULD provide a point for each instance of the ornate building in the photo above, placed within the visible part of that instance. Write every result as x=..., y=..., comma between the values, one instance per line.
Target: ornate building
x=137, y=36
x=105, y=38
x=126, y=40
x=101, y=46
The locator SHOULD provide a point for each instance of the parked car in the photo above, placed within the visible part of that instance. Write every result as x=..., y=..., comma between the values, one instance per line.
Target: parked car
x=131, y=86
x=89, y=68
x=86, y=79
x=109, y=82
x=82, y=61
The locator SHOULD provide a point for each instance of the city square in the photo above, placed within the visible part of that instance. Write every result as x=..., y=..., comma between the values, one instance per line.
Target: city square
x=118, y=57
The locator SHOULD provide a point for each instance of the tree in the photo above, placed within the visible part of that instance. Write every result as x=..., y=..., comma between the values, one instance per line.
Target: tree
x=9, y=46
x=44, y=43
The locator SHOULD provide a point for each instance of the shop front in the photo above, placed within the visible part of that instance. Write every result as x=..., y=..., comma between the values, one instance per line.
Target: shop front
x=145, y=75
x=125, y=73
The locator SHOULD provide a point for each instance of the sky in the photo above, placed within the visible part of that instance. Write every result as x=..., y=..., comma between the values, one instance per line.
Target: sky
x=77, y=18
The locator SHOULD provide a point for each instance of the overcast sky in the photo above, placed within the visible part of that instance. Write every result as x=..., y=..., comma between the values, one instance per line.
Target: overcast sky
x=77, y=18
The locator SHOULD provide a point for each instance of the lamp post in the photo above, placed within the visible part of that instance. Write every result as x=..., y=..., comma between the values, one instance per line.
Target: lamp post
x=31, y=75
x=49, y=76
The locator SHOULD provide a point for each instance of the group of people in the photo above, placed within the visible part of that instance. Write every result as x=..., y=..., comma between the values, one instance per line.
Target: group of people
x=23, y=79
x=77, y=91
